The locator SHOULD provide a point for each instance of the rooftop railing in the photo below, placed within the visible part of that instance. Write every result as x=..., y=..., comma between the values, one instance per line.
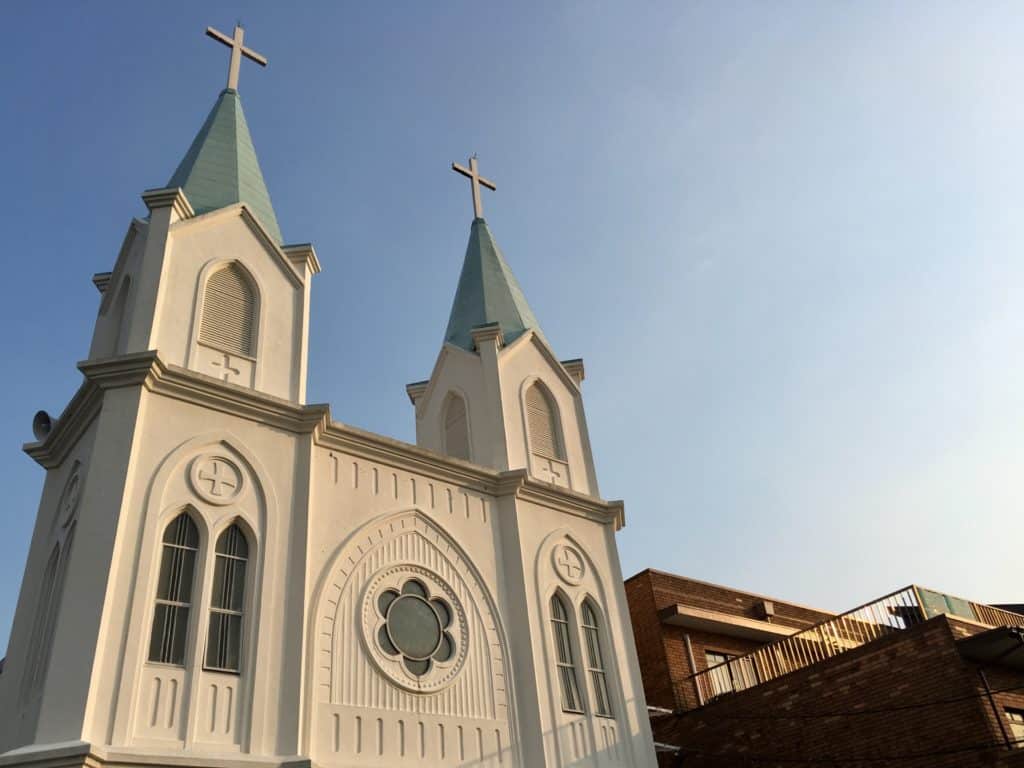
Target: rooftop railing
x=893, y=613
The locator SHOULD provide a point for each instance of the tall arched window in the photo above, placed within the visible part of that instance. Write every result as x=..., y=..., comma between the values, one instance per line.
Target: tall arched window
x=227, y=604
x=566, y=667
x=542, y=422
x=456, y=427
x=595, y=661
x=174, y=592
x=44, y=605
x=229, y=312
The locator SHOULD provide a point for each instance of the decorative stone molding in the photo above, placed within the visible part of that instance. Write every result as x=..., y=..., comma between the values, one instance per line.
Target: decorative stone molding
x=169, y=197
x=488, y=332
x=575, y=369
x=443, y=662
x=568, y=564
x=302, y=255
x=215, y=479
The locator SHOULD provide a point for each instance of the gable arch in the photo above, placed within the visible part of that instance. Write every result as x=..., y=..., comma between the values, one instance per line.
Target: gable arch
x=347, y=681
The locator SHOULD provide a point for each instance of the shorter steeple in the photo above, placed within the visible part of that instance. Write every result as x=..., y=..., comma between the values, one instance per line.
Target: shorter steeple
x=488, y=293
x=221, y=169
x=498, y=396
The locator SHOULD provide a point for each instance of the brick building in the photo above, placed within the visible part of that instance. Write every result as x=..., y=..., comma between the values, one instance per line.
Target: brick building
x=916, y=678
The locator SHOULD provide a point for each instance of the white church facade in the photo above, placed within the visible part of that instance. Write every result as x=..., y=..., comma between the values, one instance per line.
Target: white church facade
x=223, y=575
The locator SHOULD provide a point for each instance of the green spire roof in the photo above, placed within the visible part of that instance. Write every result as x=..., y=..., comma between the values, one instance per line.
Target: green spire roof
x=221, y=169
x=488, y=292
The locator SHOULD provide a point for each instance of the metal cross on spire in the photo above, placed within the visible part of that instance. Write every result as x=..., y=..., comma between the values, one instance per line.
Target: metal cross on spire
x=237, y=52
x=476, y=180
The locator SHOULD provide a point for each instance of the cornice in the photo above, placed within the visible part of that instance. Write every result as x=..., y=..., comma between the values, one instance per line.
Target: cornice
x=169, y=197
x=101, y=280
x=68, y=428
x=146, y=369
x=518, y=483
x=416, y=389
x=79, y=754
x=304, y=254
x=487, y=332
x=575, y=369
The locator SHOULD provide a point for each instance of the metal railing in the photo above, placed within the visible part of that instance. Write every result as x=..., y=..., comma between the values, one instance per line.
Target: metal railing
x=893, y=613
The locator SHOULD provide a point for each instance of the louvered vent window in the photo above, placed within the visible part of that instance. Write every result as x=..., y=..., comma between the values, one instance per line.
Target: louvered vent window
x=229, y=309
x=224, y=642
x=456, y=428
x=540, y=418
x=174, y=592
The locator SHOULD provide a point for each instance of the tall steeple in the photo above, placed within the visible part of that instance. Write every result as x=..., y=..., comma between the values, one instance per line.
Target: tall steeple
x=220, y=168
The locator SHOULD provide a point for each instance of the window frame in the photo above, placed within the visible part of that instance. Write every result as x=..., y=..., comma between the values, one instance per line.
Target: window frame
x=452, y=396
x=218, y=610
x=1015, y=717
x=597, y=672
x=188, y=606
x=558, y=452
x=566, y=670
x=729, y=673
x=208, y=274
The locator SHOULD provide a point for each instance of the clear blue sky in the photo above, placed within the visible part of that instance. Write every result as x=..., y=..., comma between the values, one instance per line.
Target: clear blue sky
x=787, y=238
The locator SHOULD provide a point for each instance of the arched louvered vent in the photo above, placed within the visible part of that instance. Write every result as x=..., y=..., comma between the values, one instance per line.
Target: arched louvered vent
x=542, y=423
x=456, y=428
x=229, y=312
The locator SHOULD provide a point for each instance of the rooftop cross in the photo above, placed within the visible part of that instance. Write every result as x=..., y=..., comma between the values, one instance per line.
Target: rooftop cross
x=237, y=52
x=474, y=176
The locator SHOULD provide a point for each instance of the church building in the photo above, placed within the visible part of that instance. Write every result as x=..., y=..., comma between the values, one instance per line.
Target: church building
x=223, y=575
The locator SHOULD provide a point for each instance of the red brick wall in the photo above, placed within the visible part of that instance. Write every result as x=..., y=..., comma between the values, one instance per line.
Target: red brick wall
x=896, y=674
x=664, y=662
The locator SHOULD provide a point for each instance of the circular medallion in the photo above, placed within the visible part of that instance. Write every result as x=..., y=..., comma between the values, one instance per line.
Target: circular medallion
x=414, y=628
x=215, y=479
x=568, y=564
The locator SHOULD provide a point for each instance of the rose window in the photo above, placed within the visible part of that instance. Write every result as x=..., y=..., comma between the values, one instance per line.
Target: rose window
x=416, y=627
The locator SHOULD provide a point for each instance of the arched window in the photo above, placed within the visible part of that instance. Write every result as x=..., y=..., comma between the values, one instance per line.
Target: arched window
x=44, y=605
x=543, y=423
x=571, y=701
x=229, y=312
x=227, y=604
x=456, y=427
x=595, y=661
x=174, y=592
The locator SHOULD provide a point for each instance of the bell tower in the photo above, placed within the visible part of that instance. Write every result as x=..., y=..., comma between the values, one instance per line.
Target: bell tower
x=212, y=243
x=498, y=395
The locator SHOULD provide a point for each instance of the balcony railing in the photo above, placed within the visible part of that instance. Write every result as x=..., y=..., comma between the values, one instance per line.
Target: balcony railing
x=893, y=613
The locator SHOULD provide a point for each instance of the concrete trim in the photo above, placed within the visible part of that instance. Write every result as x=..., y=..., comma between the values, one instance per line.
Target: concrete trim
x=723, y=623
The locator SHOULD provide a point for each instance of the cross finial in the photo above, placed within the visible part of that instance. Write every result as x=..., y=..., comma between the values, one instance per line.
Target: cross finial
x=238, y=50
x=473, y=174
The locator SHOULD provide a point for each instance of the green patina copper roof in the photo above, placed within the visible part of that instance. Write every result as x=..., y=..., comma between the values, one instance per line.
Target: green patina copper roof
x=221, y=169
x=488, y=292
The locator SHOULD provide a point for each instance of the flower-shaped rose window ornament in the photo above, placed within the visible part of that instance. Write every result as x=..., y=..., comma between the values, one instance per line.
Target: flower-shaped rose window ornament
x=416, y=627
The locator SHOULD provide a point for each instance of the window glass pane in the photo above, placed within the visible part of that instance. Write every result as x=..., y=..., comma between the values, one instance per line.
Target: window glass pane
x=223, y=643
x=169, y=634
x=228, y=584
x=601, y=693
